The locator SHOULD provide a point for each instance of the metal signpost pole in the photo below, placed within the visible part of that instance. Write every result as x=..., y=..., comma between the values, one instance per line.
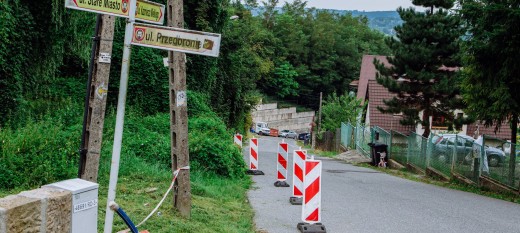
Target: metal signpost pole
x=118, y=135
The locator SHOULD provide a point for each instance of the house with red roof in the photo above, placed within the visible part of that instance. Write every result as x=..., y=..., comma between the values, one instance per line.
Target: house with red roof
x=368, y=90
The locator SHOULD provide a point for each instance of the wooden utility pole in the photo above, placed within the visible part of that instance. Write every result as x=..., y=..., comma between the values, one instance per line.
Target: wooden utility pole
x=179, y=115
x=314, y=132
x=97, y=98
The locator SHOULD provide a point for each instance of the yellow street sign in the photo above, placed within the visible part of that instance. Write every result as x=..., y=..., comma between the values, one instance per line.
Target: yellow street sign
x=176, y=39
x=150, y=12
x=146, y=11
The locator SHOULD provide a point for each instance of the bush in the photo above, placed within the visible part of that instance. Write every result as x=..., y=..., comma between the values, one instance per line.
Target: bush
x=46, y=151
x=212, y=149
x=39, y=153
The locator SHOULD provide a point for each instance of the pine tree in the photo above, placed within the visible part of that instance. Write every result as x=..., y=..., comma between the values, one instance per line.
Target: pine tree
x=424, y=64
x=491, y=75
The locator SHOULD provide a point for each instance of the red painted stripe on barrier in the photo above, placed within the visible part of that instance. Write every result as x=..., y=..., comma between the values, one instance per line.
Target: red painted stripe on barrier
x=284, y=146
x=239, y=137
x=253, y=166
x=301, y=154
x=280, y=176
x=313, y=216
x=255, y=141
x=284, y=164
x=253, y=153
x=297, y=192
x=309, y=166
x=282, y=160
x=312, y=190
x=298, y=172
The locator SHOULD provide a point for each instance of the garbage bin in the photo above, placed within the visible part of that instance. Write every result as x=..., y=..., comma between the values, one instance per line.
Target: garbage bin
x=376, y=149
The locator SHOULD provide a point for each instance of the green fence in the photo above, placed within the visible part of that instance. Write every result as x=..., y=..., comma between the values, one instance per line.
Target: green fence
x=447, y=153
x=498, y=167
x=440, y=154
x=348, y=135
x=380, y=135
x=399, y=147
x=363, y=137
x=417, y=150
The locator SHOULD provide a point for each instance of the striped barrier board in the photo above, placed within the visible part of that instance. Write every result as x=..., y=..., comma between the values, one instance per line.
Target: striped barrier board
x=253, y=157
x=238, y=139
x=281, y=165
x=299, y=157
x=253, y=154
x=311, y=206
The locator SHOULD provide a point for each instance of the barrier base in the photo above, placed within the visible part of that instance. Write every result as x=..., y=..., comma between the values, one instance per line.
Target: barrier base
x=311, y=228
x=296, y=200
x=281, y=184
x=255, y=172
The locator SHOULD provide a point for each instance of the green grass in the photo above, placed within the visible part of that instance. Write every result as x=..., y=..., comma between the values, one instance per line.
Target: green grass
x=321, y=153
x=218, y=204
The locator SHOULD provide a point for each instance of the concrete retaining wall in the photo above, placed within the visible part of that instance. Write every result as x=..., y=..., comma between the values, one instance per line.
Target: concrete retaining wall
x=284, y=118
x=44, y=210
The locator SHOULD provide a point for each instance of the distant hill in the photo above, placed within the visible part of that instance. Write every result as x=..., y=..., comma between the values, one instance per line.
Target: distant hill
x=383, y=21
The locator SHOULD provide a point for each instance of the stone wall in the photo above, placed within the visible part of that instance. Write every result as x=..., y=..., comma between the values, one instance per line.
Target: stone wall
x=44, y=210
x=283, y=118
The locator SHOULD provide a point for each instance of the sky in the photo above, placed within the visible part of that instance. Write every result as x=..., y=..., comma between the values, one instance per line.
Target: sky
x=366, y=5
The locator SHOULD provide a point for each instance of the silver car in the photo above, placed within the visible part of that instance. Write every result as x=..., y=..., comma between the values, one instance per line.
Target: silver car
x=288, y=134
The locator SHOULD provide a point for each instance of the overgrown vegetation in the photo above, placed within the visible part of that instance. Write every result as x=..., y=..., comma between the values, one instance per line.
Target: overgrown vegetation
x=337, y=109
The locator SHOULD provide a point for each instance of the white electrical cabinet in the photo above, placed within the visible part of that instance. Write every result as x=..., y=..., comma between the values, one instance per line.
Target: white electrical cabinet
x=84, y=203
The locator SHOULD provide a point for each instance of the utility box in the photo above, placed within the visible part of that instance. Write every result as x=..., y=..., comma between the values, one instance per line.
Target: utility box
x=84, y=203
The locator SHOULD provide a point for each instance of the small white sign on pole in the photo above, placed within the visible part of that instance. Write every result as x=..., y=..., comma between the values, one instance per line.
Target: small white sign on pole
x=104, y=58
x=181, y=98
x=166, y=62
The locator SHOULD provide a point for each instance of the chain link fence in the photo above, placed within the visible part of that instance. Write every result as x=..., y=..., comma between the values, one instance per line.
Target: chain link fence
x=348, y=135
x=417, y=150
x=498, y=155
x=440, y=154
x=450, y=154
x=399, y=147
x=363, y=137
x=380, y=135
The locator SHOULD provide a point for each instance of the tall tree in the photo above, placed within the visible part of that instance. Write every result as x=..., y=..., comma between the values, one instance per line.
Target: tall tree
x=491, y=83
x=423, y=73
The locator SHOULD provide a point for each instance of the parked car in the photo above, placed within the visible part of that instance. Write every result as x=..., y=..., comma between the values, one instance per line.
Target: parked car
x=304, y=136
x=463, y=146
x=288, y=134
x=264, y=131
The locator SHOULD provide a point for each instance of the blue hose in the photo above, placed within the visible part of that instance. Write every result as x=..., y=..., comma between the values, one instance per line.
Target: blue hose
x=127, y=220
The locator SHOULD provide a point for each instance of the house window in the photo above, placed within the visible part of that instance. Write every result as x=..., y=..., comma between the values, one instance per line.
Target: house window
x=438, y=122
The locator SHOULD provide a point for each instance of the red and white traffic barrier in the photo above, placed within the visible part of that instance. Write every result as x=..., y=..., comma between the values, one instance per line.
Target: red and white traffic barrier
x=311, y=206
x=281, y=165
x=299, y=157
x=238, y=139
x=253, y=157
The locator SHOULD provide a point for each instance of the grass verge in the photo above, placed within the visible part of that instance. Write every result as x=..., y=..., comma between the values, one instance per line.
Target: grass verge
x=321, y=153
x=218, y=204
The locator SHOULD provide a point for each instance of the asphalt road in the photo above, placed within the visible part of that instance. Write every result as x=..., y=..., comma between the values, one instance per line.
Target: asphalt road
x=362, y=200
